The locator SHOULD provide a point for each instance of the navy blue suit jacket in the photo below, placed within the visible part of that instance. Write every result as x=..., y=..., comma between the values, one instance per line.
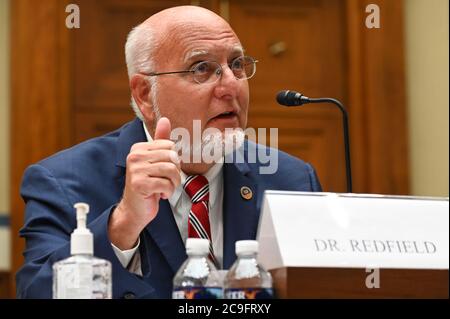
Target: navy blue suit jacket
x=94, y=172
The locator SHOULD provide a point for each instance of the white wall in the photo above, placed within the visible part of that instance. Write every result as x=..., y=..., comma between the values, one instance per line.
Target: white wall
x=427, y=56
x=4, y=132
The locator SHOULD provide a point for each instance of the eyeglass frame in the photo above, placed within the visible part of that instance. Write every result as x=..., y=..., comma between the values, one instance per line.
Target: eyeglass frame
x=192, y=71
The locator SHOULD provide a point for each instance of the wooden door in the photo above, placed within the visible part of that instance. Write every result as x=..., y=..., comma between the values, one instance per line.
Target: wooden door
x=300, y=46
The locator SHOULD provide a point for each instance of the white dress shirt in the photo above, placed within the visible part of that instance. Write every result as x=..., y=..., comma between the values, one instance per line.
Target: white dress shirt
x=180, y=203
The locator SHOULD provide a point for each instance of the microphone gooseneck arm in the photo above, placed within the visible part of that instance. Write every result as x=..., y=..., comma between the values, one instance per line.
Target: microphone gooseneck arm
x=346, y=136
x=292, y=98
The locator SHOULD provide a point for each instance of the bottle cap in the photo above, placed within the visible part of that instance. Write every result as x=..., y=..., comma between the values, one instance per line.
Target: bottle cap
x=197, y=246
x=81, y=240
x=246, y=247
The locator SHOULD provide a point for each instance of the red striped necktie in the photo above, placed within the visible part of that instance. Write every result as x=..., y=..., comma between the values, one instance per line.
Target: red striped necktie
x=197, y=187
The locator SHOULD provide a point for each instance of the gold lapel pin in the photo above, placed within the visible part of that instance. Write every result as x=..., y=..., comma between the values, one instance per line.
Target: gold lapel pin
x=246, y=192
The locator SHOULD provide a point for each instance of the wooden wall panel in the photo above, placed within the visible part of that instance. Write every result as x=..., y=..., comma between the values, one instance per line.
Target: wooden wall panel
x=385, y=96
x=312, y=137
x=5, y=282
x=40, y=116
x=377, y=103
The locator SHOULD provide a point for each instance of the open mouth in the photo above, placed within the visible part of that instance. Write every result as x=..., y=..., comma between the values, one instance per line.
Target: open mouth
x=225, y=116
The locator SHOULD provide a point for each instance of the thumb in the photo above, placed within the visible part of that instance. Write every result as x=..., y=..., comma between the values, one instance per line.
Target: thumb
x=163, y=128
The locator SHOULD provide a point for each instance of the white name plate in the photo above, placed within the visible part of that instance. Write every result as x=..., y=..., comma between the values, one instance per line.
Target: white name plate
x=300, y=229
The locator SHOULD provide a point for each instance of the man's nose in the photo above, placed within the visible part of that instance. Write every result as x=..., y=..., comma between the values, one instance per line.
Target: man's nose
x=228, y=85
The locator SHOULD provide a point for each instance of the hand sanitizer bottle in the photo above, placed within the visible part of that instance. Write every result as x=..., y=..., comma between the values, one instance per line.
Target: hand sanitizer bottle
x=82, y=276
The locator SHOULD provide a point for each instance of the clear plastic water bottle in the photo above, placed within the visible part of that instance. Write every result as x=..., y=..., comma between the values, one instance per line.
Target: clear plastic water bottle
x=197, y=277
x=246, y=279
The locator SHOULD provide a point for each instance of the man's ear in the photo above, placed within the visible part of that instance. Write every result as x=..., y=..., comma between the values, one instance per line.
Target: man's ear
x=140, y=90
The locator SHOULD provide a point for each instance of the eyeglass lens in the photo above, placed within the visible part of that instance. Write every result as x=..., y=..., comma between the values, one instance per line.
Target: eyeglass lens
x=208, y=71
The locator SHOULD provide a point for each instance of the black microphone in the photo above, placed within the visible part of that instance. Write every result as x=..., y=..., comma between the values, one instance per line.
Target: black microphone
x=292, y=98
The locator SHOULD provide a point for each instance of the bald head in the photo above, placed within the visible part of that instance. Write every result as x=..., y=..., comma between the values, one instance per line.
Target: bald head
x=183, y=15
x=171, y=24
x=146, y=38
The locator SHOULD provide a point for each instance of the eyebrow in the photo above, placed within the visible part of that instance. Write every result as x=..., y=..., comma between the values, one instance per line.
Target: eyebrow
x=200, y=53
x=194, y=54
x=238, y=49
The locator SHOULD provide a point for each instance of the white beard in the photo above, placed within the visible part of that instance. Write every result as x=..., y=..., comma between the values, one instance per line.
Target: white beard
x=212, y=148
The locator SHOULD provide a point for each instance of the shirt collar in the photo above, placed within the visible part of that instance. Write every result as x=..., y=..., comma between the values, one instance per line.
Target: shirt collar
x=212, y=175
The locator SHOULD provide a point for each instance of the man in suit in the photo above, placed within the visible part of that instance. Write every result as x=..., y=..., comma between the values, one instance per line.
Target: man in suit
x=187, y=70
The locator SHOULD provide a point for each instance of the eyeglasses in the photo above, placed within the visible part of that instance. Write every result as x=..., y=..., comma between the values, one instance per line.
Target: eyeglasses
x=243, y=67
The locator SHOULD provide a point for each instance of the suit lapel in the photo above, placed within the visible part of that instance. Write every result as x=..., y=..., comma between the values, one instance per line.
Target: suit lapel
x=131, y=133
x=240, y=214
x=164, y=231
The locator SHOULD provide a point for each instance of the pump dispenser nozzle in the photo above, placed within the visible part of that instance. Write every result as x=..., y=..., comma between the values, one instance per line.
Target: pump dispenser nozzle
x=81, y=240
x=82, y=211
